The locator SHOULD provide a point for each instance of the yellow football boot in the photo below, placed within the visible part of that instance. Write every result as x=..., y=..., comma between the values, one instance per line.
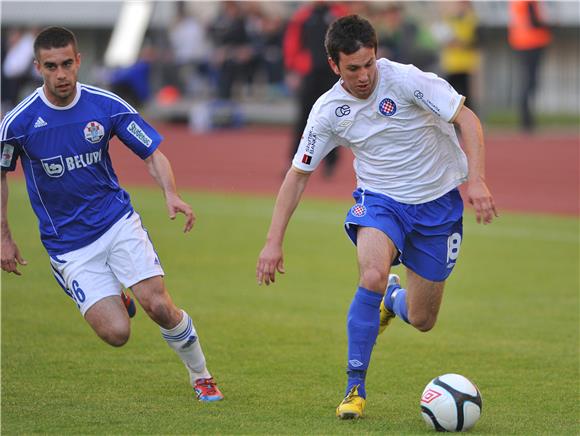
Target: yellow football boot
x=353, y=405
x=386, y=314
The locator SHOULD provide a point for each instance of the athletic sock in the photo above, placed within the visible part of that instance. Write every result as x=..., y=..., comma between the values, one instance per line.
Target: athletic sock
x=184, y=341
x=362, y=328
x=396, y=301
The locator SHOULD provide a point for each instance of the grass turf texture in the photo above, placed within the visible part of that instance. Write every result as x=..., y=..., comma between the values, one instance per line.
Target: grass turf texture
x=509, y=322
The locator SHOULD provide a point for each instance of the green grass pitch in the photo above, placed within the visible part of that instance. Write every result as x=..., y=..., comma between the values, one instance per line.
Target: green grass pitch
x=509, y=322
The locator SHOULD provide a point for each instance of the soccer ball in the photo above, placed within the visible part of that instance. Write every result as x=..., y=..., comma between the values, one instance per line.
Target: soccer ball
x=451, y=403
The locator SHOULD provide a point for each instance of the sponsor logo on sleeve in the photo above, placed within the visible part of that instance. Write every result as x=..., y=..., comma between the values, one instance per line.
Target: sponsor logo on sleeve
x=138, y=133
x=306, y=159
x=53, y=166
x=94, y=132
x=387, y=107
x=432, y=106
x=311, y=141
x=343, y=110
x=7, y=154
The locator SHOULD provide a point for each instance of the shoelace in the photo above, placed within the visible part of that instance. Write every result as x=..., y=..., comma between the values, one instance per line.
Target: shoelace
x=208, y=384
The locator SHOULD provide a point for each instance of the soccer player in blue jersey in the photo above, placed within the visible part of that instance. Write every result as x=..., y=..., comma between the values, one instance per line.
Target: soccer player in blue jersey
x=399, y=123
x=94, y=238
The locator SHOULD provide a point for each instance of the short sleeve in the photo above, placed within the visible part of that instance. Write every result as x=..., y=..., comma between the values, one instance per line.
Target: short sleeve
x=433, y=94
x=137, y=134
x=316, y=142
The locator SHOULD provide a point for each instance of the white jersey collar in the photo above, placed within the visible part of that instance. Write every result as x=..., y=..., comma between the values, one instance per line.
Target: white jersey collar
x=60, y=108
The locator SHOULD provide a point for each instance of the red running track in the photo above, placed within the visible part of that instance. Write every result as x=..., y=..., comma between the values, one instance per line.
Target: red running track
x=537, y=173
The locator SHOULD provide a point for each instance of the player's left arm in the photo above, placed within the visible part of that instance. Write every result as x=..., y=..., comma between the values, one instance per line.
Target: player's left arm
x=478, y=194
x=160, y=169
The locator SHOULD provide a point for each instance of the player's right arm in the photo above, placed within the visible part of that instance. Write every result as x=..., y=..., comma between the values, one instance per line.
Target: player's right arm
x=271, y=258
x=317, y=141
x=11, y=257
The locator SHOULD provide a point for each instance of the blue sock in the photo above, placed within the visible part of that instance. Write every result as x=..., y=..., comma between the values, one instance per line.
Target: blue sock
x=396, y=301
x=362, y=328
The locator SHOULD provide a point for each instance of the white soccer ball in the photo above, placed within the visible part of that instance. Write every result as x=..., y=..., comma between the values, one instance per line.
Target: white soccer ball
x=451, y=403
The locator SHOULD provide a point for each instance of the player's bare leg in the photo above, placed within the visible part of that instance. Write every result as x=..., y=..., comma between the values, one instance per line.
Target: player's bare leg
x=109, y=319
x=178, y=331
x=375, y=252
x=157, y=302
x=423, y=301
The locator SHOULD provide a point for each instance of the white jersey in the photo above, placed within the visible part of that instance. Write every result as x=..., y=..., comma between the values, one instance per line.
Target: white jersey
x=401, y=135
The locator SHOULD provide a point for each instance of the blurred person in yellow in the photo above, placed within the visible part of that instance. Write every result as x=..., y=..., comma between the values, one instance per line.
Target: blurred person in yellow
x=528, y=35
x=460, y=57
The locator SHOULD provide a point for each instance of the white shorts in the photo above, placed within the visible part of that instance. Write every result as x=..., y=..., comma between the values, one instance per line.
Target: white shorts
x=122, y=257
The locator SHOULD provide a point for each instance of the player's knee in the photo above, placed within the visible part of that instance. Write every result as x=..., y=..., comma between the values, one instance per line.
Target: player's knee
x=116, y=336
x=159, y=310
x=423, y=322
x=374, y=279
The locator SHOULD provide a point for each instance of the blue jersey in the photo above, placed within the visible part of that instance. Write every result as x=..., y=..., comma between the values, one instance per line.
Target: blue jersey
x=64, y=153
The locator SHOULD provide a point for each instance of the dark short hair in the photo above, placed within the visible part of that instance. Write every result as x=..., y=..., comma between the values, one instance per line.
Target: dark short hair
x=54, y=37
x=349, y=34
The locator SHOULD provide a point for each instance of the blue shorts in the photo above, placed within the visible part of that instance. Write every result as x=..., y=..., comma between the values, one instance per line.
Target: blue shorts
x=427, y=236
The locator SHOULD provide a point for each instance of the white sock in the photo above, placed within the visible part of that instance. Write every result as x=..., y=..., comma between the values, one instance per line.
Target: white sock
x=184, y=341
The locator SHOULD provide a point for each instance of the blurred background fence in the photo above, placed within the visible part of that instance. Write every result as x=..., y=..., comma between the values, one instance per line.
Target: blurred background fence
x=186, y=50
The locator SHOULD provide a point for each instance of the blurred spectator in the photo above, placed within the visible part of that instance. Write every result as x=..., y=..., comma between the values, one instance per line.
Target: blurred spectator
x=403, y=40
x=233, y=54
x=266, y=31
x=133, y=83
x=305, y=58
x=190, y=50
x=528, y=35
x=460, y=55
x=17, y=62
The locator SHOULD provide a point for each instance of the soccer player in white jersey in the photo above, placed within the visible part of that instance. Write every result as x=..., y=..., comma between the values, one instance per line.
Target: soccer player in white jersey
x=399, y=123
x=95, y=239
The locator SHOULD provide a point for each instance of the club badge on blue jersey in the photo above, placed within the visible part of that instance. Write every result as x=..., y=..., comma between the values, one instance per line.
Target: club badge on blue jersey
x=94, y=132
x=387, y=107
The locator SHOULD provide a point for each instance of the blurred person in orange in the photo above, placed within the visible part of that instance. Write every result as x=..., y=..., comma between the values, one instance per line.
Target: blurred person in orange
x=528, y=35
